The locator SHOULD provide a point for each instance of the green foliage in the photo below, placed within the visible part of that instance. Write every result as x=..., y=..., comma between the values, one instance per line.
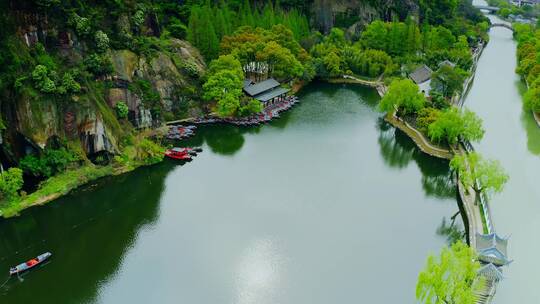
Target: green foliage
x=81, y=24
x=149, y=152
x=138, y=18
x=371, y=63
x=473, y=167
x=394, y=38
x=102, y=41
x=122, y=110
x=177, y=28
x=426, y=117
x=404, y=97
x=250, y=107
x=263, y=51
x=450, y=278
x=51, y=162
x=11, y=181
x=201, y=32
x=437, y=11
x=452, y=125
x=224, y=84
x=69, y=85
x=448, y=81
x=98, y=65
x=40, y=75
x=48, y=82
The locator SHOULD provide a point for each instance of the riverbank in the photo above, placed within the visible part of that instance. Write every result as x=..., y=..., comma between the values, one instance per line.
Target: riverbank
x=142, y=153
x=424, y=144
x=348, y=79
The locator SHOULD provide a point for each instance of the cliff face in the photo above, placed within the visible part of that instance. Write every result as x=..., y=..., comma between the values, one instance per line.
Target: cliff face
x=87, y=120
x=355, y=14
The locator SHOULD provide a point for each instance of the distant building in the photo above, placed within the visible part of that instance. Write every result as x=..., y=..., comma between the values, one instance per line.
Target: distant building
x=492, y=249
x=422, y=77
x=491, y=272
x=447, y=63
x=267, y=92
x=525, y=2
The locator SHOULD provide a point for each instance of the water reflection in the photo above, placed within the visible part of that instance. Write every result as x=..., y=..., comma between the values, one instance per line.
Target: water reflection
x=100, y=226
x=529, y=123
x=398, y=150
x=451, y=230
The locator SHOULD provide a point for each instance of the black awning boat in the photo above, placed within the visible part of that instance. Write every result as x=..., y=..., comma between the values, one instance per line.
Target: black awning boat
x=30, y=264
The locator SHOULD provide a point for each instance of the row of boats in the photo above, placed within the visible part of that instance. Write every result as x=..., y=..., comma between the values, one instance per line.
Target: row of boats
x=180, y=132
x=266, y=115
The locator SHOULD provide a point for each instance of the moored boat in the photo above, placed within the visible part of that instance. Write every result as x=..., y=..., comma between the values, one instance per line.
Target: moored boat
x=178, y=153
x=30, y=264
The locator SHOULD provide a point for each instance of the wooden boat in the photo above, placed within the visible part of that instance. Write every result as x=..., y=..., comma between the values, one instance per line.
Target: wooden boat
x=30, y=264
x=178, y=153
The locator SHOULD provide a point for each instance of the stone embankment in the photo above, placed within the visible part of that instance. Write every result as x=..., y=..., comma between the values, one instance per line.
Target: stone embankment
x=419, y=139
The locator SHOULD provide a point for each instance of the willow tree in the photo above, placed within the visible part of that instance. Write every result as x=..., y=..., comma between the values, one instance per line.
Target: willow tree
x=452, y=125
x=450, y=278
x=404, y=97
x=472, y=167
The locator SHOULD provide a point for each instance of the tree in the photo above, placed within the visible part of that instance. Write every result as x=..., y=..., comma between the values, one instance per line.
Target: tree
x=11, y=181
x=448, y=80
x=473, y=167
x=451, y=125
x=403, y=96
x=451, y=278
x=201, y=32
x=224, y=84
x=375, y=36
x=102, y=41
x=532, y=99
x=40, y=75
x=281, y=62
x=437, y=11
x=332, y=63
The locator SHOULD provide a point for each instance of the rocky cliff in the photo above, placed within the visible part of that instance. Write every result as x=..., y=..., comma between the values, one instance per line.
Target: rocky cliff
x=157, y=84
x=355, y=14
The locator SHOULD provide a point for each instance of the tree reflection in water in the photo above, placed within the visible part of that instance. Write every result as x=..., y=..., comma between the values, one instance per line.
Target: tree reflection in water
x=398, y=150
x=452, y=231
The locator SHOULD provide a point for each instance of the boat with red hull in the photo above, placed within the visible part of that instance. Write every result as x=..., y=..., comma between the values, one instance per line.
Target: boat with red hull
x=178, y=153
x=30, y=264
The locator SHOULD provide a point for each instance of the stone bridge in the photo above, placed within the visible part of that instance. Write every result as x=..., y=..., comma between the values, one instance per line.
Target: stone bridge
x=505, y=25
x=491, y=9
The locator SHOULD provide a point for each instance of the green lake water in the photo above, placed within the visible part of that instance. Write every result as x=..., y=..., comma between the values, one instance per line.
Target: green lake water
x=328, y=204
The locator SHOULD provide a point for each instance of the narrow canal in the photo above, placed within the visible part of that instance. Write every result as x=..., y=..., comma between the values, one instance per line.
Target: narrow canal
x=328, y=204
x=513, y=138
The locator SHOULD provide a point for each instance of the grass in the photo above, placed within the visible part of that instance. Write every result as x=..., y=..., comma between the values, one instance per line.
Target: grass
x=55, y=187
x=142, y=152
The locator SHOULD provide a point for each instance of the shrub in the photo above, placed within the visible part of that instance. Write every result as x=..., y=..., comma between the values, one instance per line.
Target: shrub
x=150, y=152
x=49, y=163
x=69, y=84
x=102, y=40
x=81, y=24
x=98, y=65
x=11, y=181
x=42, y=82
x=426, y=117
x=122, y=110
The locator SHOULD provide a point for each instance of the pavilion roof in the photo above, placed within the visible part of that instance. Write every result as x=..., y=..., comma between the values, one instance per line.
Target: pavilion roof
x=263, y=86
x=492, y=240
x=264, y=97
x=491, y=272
x=421, y=74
